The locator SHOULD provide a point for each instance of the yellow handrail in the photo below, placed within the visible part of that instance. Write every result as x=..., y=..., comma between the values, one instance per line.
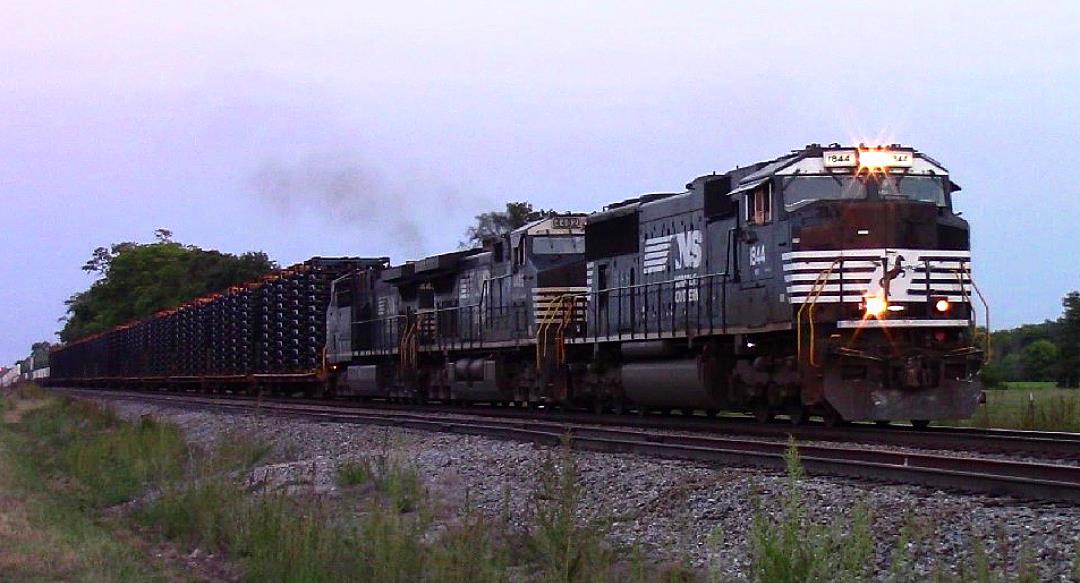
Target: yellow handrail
x=406, y=345
x=815, y=292
x=554, y=311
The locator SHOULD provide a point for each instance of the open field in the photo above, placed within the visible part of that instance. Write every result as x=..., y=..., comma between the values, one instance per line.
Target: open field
x=1033, y=406
x=1029, y=385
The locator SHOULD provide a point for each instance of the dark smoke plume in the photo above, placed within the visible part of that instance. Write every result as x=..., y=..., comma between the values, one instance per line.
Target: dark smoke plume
x=354, y=193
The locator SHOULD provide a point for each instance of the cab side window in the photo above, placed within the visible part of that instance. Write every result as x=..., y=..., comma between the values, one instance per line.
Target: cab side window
x=759, y=207
x=519, y=253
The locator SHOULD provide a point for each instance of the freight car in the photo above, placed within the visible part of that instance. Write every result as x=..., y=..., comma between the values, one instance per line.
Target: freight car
x=264, y=335
x=832, y=281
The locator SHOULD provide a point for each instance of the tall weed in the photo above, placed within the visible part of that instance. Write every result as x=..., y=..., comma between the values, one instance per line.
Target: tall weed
x=564, y=549
x=790, y=548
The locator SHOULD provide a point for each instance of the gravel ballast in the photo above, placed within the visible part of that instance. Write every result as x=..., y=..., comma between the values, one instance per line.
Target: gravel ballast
x=673, y=510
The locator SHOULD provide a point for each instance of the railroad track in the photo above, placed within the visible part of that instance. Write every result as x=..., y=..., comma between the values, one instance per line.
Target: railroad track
x=1026, y=479
x=1037, y=444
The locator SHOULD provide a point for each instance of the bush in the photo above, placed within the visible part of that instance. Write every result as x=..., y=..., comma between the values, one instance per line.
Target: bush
x=354, y=473
x=993, y=377
x=564, y=549
x=789, y=548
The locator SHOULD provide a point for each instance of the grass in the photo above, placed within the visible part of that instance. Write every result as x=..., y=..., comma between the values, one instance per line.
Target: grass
x=1029, y=385
x=111, y=461
x=399, y=482
x=46, y=532
x=388, y=533
x=1039, y=408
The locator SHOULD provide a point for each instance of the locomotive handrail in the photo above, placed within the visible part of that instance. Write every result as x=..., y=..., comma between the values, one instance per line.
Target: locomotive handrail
x=556, y=310
x=404, y=348
x=695, y=282
x=815, y=292
x=964, y=270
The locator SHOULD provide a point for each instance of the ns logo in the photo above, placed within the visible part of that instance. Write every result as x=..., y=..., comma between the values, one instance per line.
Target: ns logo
x=683, y=250
x=689, y=253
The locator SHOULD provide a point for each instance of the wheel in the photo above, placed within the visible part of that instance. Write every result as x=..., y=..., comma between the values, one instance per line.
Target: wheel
x=796, y=413
x=920, y=423
x=763, y=413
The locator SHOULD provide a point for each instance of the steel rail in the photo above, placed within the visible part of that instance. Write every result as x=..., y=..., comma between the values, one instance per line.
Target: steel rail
x=1038, y=444
x=1024, y=479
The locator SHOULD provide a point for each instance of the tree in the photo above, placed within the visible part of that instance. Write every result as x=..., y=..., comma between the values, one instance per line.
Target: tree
x=498, y=223
x=1069, y=342
x=39, y=354
x=1040, y=360
x=137, y=279
x=1007, y=347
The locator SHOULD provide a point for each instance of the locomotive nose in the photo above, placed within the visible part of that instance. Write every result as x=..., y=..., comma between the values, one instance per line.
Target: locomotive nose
x=873, y=224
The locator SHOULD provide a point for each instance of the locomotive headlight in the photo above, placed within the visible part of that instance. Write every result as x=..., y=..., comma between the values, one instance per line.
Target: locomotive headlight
x=875, y=305
x=884, y=159
x=942, y=305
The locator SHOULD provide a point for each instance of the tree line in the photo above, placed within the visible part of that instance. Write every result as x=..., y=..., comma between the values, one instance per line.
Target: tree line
x=1049, y=351
x=136, y=280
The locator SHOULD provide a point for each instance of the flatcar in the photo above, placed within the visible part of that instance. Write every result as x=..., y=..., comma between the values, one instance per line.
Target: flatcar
x=831, y=281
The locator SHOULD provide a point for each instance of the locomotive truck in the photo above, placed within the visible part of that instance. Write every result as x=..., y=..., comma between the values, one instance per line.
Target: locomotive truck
x=831, y=281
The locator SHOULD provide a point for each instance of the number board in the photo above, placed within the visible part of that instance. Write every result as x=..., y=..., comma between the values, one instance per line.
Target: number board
x=841, y=158
x=567, y=222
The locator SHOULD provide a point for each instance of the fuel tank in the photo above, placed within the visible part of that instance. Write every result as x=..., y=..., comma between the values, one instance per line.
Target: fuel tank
x=671, y=383
x=474, y=379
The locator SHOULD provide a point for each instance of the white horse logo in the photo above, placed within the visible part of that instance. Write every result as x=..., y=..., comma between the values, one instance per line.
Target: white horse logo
x=891, y=279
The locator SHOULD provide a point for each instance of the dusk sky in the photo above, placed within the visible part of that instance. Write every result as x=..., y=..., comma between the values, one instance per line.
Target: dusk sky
x=230, y=122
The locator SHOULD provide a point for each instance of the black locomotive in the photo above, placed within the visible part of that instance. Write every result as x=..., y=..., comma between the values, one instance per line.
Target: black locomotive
x=830, y=281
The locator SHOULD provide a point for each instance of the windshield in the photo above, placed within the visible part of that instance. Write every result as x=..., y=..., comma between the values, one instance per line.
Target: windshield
x=921, y=188
x=548, y=245
x=803, y=190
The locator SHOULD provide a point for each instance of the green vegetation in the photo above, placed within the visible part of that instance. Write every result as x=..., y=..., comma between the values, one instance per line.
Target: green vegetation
x=355, y=473
x=564, y=549
x=136, y=280
x=73, y=463
x=1031, y=406
x=790, y=548
x=1047, y=352
x=382, y=533
x=498, y=223
x=398, y=481
x=787, y=547
x=46, y=530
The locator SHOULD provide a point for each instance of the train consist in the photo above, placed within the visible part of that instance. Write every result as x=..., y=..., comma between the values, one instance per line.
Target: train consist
x=831, y=281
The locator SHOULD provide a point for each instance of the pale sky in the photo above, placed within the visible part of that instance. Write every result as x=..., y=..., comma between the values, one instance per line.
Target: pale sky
x=239, y=125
